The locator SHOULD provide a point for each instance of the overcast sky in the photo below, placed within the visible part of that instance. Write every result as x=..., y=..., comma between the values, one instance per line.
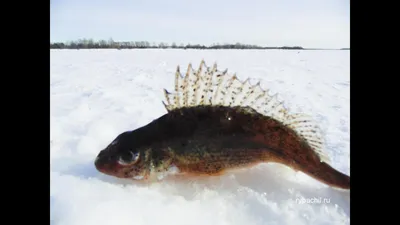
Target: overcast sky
x=307, y=23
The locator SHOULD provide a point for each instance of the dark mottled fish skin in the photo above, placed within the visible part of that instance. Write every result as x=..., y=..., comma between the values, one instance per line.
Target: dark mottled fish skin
x=214, y=123
x=209, y=140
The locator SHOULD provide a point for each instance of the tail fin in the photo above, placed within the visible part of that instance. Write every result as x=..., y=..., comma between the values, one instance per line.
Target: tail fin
x=324, y=173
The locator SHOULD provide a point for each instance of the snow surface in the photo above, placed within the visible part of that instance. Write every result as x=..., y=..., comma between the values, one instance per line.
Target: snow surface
x=98, y=94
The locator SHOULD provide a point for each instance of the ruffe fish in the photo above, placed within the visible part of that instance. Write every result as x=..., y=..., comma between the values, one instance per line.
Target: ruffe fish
x=215, y=123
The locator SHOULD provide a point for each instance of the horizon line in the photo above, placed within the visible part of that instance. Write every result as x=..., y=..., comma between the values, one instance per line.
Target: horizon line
x=182, y=44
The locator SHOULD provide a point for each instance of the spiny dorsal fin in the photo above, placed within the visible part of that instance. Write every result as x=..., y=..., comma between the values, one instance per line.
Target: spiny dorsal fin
x=209, y=86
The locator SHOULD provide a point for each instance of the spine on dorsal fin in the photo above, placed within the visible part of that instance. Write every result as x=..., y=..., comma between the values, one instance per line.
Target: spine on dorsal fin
x=178, y=87
x=209, y=86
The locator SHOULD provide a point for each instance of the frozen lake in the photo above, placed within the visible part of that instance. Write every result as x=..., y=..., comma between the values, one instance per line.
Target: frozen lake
x=98, y=94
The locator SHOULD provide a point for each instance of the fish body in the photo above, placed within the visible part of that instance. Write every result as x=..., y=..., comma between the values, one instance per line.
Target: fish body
x=215, y=123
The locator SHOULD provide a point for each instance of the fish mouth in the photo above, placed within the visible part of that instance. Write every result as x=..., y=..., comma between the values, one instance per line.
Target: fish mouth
x=101, y=165
x=104, y=169
x=104, y=166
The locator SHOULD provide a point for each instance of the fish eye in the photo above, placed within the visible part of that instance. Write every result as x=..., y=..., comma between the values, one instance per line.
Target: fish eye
x=128, y=158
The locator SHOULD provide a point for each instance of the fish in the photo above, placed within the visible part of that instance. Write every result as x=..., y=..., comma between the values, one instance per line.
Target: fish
x=215, y=123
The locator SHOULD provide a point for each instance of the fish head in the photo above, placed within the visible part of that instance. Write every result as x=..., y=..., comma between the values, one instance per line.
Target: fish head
x=122, y=158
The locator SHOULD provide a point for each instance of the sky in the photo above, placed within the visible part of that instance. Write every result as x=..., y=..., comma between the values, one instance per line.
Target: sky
x=306, y=23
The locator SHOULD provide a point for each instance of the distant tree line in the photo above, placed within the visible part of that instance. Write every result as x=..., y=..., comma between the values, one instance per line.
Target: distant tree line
x=102, y=44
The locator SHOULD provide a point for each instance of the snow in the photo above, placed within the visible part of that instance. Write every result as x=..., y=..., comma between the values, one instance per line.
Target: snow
x=98, y=94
